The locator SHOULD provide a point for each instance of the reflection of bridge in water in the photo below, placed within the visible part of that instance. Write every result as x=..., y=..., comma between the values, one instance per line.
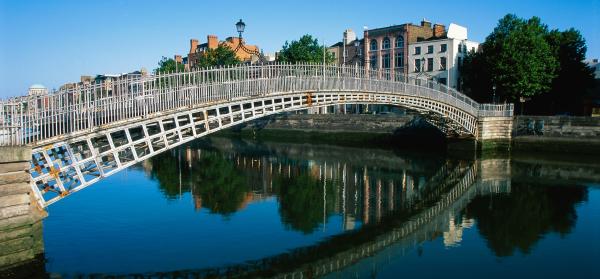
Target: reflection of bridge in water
x=378, y=211
x=79, y=136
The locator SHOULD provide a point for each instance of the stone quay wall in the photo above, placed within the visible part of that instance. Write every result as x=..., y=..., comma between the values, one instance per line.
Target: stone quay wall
x=20, y=217
x=540, y=126
x=383, y=123
x=558, y=134
x=557, y=126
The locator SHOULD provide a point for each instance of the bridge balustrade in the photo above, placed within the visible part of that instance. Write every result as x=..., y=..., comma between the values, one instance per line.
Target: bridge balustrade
x=86, y=108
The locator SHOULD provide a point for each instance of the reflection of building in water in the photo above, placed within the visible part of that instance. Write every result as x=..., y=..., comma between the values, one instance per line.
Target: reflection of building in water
x=453, y=236
x=359, y=194
x=367, y=194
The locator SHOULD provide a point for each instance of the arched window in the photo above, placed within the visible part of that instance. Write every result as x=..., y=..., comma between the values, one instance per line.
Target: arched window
x=373, y=45
x=400, y=42
x=386, y=43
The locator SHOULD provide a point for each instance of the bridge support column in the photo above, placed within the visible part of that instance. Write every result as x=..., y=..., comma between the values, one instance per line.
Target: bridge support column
x=20, y=216
x=494, y=132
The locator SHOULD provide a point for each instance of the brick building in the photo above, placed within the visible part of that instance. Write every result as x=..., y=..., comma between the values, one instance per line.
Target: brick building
x=212, y=42
x=387, y=47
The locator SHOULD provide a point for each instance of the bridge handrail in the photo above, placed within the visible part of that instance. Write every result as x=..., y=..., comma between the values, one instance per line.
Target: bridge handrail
x=27, y=119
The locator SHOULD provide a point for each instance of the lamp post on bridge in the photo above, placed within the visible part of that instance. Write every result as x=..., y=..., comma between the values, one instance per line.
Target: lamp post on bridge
x=240, y=26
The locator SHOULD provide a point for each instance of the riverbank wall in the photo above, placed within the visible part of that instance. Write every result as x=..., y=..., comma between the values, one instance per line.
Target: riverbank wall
x=563, y=134
x=20, y=217
x=557, y=134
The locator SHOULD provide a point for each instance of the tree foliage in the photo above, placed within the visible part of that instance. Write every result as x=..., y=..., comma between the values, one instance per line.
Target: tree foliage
x=168, y=65
x=305, y=50
x=220, y=56
x=476, y=77
x=522, y=58
x=574, y=77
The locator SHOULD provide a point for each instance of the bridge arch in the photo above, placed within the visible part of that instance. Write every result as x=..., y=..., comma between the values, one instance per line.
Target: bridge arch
x=86, y=133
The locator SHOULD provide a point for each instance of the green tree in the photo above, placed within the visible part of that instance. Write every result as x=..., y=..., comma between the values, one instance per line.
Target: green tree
x=220, y=56
x=168, y=65
x=574, y=77
x=304, y=50
x=520, y=60
x=476, y=77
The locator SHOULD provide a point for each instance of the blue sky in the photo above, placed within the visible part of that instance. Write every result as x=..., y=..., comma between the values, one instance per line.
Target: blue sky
x=54, y=42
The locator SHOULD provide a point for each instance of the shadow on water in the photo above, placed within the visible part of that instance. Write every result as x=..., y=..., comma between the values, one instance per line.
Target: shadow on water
x=385, y=199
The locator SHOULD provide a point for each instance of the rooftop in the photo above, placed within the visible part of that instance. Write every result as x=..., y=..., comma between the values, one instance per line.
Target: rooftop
x=37, y=86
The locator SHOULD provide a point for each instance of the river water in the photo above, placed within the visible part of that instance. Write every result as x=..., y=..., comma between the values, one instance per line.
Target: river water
x=230, y=207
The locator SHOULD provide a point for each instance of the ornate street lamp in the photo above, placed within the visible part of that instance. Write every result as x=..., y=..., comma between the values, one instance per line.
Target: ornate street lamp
x=240, y=26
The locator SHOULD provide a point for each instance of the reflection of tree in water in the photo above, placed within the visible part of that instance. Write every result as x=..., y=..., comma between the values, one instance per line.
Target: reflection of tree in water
x=220, y=186
x=519, y=219
x=213, y=177
x=302, y=202
x=165, y=169
x=225, y=182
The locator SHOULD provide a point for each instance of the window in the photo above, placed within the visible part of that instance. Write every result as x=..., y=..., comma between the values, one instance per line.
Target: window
x=429, y=64
x=373, y=45
x=442, y=63
x=459, y=48
x=442, y=81
x=430, y=49
x=400, y=42
x=386, y=43
x=385, y=61
x=443, y=47
x=465, y=49
x=473, y=49
x=399, y=59
x=417, y=50
x=417, y=65
x=459, y=64
x=373, y=61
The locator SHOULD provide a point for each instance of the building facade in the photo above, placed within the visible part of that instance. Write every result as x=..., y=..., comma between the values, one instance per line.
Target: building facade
x=440, y=58
x=37, y=90
x=349, y=51
x=246, y=53
x=387, y=48
x=595, y=65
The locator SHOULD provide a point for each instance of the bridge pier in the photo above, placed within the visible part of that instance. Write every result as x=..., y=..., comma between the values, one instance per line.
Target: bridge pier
x=494, y=132
x=20, y=216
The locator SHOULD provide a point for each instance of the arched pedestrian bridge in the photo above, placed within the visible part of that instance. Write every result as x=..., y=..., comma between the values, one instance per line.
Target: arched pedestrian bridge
x=81, y=135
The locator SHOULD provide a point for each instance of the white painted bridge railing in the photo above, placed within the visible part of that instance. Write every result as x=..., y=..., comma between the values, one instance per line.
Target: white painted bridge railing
x=38, y=119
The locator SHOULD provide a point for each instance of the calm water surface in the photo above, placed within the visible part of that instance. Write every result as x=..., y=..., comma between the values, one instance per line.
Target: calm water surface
x=222, y=207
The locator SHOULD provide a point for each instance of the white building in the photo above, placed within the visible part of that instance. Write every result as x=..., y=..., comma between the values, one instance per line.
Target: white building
x=440, y=58
x=37, y=90
x=595, y=66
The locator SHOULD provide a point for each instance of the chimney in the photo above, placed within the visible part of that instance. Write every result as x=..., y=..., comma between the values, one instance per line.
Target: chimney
x=425, y=23
x=213, y=41
x=349, y=36
x=439, y=30
x=178, y=58
x=193, y=45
